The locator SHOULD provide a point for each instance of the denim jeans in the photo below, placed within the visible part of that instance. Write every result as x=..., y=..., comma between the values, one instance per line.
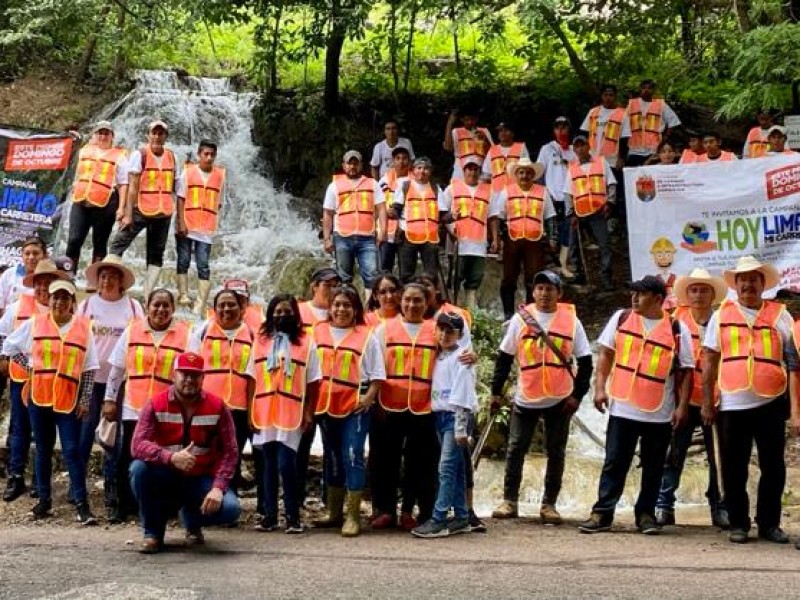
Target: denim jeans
x=185, y=246
x=343, y=441
x=676, y=457
x=159, y=490
x=19, y=433
x=621, y=438
x=280, y=459
x=88, y=428
x=452, y=471
x=356, y=248
x=44, y=423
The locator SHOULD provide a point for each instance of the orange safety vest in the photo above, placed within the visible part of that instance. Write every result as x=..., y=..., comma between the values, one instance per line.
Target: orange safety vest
x=308, y=317
x=57, y=361
x=422, y=214
x=26, y=308
x=226, y=364
x=409, y=367
x=589, y=190
x=500, y=164
x=149, y=364
x=642, y=362
x=279, y=399
x=470, y=210
x=156, y=184
x=340, y=363
x=467, y=144
x=752, y=355
x=388, y=186
x=355, y=205
x=96, y=174
x=525, y=212
x=645, y=130
x=757, y=144
x=724, y=157
x=611, y=134
x=684, y=315
x=201, y=205
x=541, y=374
x=690, y=156
x=446, y=307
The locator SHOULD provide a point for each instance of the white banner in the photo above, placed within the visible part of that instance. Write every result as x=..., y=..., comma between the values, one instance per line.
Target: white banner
x=709, y=214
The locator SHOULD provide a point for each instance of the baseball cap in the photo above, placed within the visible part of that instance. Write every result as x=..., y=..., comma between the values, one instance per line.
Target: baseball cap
x=103, y=125
x=325, y=274
x=547, y=277
x=505, y=125
x=648, y=283
x=450, y=320
x=60, y=284
x=472, y=159
x=189, y=361
x=579, y=138
x=780, y=129
x=422, y=161
x=561, y=121
x=157, y=123
x=350, y=155
x=238, y=286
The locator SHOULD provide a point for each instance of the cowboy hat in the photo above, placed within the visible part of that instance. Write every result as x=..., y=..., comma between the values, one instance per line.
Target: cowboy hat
x=93, y=270
x=747, y=264
x=683, y=282
x=45, y=267
x=525, y=163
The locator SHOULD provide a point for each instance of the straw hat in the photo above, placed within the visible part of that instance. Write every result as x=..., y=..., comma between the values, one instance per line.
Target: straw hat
x=526, y=163
x=747, y=264
x=45, y=267
x=92, y=271
x=683, y=282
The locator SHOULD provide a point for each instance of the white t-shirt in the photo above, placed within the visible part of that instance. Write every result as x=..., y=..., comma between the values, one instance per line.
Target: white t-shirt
x=500, y=199
x=199, y=331
x=685, y=360
x=109, y=320
x=180, y=192
x=453, y=383
x=556, y=168
x=21, y=342
x=510, y=344
x=10, y=315
x=602, y=119
x=569, y=191
x=382, y=154
x=668, y=119
x=746, y=399
x=504, y=150
x=399, y=197
x=458, y=173
x=11, y=285
x=331, y=200
x=466, y=247
x=379, y=333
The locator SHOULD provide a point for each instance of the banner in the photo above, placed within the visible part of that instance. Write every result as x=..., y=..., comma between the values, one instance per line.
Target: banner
x=33, y=176
x=709, y=214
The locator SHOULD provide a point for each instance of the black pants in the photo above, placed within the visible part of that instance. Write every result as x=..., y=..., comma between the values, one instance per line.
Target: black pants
x=520, y=256
x=738, y=429
x=407, y=254
x=82, y=218
x=521, y=429
x=408, y=441
x=157, y=234
x=388, y=254
x=303, y=456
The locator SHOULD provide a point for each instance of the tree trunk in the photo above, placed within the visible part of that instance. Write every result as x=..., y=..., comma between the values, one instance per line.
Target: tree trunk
x=82, y=72
x=119, y=56
x=688, y=46
x=792, y=11
x=410, y=44
x=273, y=52
x=454, y=25
x=578, y=65
x=393, y=45
x=333, y=53
x=742, y=10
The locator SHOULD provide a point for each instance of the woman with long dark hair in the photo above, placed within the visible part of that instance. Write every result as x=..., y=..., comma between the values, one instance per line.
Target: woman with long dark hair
x=384, y=302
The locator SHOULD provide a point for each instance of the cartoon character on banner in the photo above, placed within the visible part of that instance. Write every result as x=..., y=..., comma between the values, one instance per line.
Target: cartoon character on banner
x=663, y=252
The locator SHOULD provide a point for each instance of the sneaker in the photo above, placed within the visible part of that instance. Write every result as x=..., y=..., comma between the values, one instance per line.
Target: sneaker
x=549, y=515
x=776, y=535
x=738, y=536
x=456, y=526
x=595, y=524
x=431, y=529
x=384, y=521
x=15, y=487
x=195, y=537
x=407, y=521
x=507, y=510
x=149, y=545
x=719, y=518
x=648, y=525
x=42, y=510
x=294, y=527
x=266, y=524
x=475, y=523
x=665, y=517
x=84, y=514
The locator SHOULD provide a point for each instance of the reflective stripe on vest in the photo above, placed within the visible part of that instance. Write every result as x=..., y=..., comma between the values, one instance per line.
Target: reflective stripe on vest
x=201, y=204
x=340, y=363
x=501, y=162
x=226, y=364
x=525, y=212
x=684, y=315
x=467, y=144
x=757, y=143
x=279, y=398
x=645, y=129
x=96, y=174
x=57, y=361
x=589, y=189
x=642, y=362
x=355, y=205
x=422, y=214
x=611, y=133
x=388, y=186
x=156, y=184
x=308, y=317
x=26, y=308
x=752, y=355
x=542, y=374
x=409, y=367
x=470, y=210
x=149, y=364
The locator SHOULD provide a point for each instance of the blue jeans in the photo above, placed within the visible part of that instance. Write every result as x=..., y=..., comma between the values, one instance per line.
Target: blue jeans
x=44, y=423
x=452, y=471
x=185, y=246
x=354, y=248
x=88, y=428
x=343, y=441
x=19, y=433
x=621, y=439
x=159, y=490
x=280, y=459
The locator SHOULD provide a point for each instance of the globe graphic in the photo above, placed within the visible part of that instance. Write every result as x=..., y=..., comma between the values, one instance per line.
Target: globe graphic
x=694, y=234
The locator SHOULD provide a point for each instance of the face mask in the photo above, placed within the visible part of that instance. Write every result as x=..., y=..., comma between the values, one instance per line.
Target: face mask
x=285, y=323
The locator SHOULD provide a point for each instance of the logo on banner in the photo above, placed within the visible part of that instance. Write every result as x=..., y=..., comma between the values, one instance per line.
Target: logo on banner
x=646, y=188
x=38, y=154
x=696, y=238
x=783, y=182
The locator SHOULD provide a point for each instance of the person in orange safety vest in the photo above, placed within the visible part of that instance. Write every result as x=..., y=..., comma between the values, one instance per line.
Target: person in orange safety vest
x=713, y=150
x=506, y=151
x=400, y=170
x=643, y=378
x=757, y=145
x=651, y=120
x=608, y=129
x=467, y=140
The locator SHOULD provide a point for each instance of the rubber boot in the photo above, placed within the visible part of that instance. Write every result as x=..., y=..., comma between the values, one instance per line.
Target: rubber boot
x=470, y=300
x=151, y=281
x=203, y=288
x=563, y=258
x=183, y=291
x=507, y=298
x=352, y=521
x=335, y=506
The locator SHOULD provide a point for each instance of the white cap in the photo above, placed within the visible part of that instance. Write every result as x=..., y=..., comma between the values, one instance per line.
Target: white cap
x=350, y=155
x=157, y=123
